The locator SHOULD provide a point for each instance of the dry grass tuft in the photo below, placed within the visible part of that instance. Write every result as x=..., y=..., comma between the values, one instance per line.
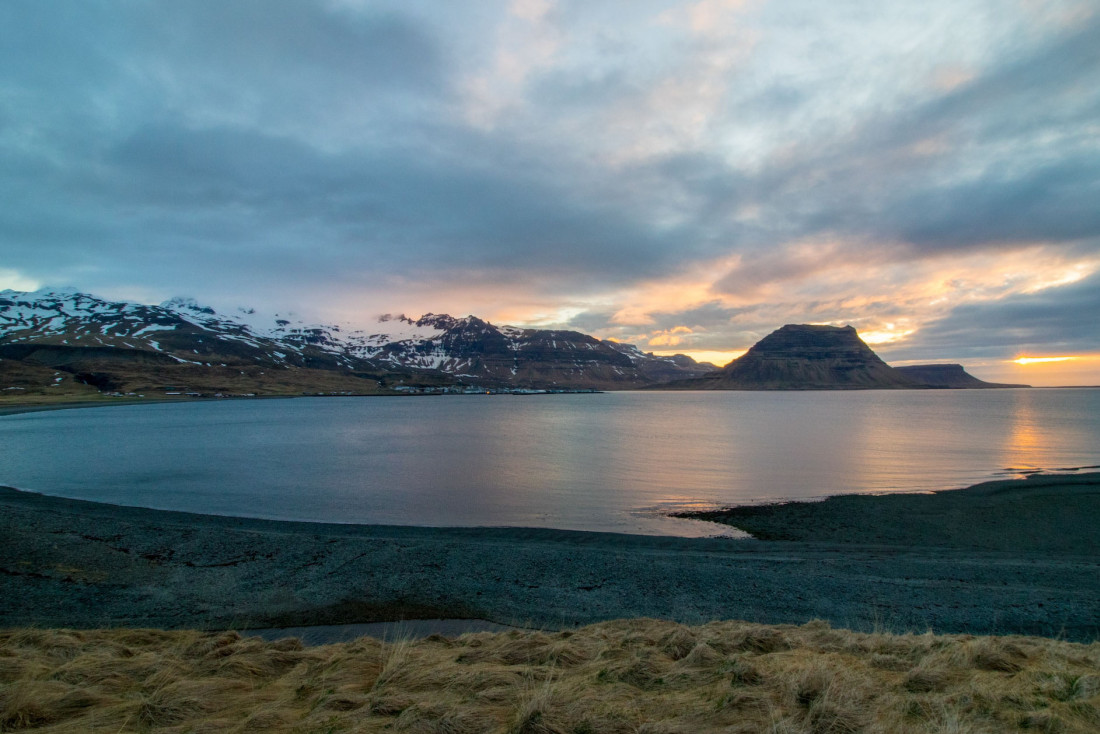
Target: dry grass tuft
x=626, y=676
x=989, y=653
x=928, y=679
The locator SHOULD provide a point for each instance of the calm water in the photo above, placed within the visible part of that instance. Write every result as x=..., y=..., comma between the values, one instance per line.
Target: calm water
x=615, y=461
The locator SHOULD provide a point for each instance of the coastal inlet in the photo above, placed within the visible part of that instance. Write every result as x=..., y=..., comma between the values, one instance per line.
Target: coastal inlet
x=617, y=462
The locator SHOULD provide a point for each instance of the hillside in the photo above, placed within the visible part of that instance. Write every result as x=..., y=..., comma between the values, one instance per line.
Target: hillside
x=55, y=342
x=947, y=376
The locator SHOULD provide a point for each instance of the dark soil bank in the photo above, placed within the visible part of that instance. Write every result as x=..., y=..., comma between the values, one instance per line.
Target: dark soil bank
x=84, y=564
x=1053, y=514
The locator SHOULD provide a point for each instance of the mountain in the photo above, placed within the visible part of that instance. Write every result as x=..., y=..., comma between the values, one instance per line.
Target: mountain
x=810, y=357
x=472, y=348
x=183, y=346
x=804, y=357
x=947, y=376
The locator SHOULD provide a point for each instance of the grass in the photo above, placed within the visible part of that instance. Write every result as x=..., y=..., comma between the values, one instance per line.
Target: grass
x=638, y=676
x=22, y=383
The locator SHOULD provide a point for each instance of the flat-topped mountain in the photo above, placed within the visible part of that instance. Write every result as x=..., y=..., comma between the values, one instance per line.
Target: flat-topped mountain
x=812, y=357
x=801, y=356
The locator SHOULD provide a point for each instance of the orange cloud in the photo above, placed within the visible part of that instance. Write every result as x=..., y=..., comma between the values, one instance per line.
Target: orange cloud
x=669, y=337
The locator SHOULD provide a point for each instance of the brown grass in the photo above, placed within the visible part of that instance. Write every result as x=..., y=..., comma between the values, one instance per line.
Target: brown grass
x=33, y=384
x=639, y=676
x=38, y=385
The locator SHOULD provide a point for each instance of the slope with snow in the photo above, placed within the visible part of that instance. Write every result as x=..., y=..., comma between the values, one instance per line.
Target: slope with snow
x=180, y=329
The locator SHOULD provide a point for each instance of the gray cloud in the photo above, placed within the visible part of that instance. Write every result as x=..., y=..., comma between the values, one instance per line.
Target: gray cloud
x=415, y=211
x=1054, y=203
x=1061, y=320
x=1017, y=164
x=247, y=41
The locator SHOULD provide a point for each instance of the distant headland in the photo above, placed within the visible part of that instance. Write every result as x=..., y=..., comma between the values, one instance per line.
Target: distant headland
x=813, y=357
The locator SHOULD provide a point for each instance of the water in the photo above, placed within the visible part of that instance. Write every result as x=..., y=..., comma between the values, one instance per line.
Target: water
x=615, y=462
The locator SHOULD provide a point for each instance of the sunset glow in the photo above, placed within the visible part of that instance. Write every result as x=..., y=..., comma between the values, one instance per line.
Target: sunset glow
x=888, y=335
x=1041, y=360
x=720, y=359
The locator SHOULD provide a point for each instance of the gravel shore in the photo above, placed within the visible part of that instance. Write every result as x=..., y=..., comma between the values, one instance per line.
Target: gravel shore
x=1051, y=514
x=84, y=564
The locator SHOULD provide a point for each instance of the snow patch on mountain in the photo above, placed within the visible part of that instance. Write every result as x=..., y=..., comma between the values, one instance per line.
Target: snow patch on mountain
x=390, y=329
x=190, y=332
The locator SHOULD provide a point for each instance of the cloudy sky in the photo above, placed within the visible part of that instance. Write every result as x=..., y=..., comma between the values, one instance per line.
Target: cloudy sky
x=687, y=176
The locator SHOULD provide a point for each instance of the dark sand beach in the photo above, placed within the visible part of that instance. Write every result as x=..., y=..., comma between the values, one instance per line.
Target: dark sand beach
x=1014, y=557
x=1053, y=514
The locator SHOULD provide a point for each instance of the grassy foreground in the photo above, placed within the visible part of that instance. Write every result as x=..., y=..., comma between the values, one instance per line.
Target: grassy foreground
x=623, y=676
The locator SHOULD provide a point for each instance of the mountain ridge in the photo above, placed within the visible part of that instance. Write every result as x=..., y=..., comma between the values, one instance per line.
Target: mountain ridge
x=102, y=342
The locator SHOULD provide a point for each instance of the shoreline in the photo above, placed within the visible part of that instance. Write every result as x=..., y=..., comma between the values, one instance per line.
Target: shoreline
x=19, y=408
x=15, y=408
x=74, y=563
x=1039, y=512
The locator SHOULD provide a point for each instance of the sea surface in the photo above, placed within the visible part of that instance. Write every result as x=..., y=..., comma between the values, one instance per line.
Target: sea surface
x=614, y=462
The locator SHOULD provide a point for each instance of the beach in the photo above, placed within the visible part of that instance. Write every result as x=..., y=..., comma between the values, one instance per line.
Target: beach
x=71, y=563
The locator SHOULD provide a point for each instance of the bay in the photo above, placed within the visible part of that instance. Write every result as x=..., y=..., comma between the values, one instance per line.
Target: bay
x=616, y=462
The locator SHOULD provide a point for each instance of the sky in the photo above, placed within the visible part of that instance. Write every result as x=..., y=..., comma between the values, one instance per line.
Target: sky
x=684, y=176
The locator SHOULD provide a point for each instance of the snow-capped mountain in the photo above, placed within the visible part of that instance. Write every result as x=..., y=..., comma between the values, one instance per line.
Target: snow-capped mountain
x=472, y=348
x=180, y=329
x=65, y=327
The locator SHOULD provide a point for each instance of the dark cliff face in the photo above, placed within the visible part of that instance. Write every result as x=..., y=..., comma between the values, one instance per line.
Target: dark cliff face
x=815, y=343
x=805, y=357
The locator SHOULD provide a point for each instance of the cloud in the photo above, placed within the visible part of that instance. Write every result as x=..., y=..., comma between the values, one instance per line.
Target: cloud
x=13, y=280
x=725, y=167
x=1058, y=320
x=669, y=337
x=390, y=207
